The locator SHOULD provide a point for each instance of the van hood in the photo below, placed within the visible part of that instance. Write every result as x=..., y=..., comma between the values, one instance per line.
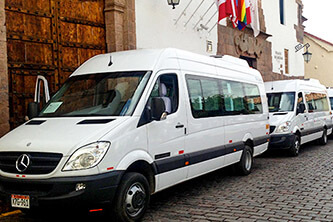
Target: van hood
x=58, y=135
x=276, y=119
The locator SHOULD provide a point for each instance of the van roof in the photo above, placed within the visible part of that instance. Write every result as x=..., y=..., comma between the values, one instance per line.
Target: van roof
x=152, y=59
x=294, y=85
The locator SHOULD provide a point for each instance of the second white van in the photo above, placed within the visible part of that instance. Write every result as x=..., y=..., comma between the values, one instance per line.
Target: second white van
x=129, y=124
x=299, y=113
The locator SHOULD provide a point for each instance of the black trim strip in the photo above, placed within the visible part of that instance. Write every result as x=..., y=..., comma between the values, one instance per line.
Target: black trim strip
x=94, y=121
x=35, y=122
x=181, y=161
x=311, y=131
x=261, y=140
x=170, y=164
x=162, y=155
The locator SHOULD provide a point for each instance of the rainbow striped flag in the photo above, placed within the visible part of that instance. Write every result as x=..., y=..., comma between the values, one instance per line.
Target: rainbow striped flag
x=244, y=13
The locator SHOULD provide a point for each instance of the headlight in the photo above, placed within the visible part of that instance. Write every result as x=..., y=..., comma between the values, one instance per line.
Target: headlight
x=284, y=127
x=87, y=156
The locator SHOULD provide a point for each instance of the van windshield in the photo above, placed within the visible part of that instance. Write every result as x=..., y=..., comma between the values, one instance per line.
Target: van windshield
x=281, y=102
x=105, y=94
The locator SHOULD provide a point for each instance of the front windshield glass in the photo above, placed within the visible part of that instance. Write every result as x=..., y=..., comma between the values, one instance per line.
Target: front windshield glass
x=105, y=94
x=281, y=102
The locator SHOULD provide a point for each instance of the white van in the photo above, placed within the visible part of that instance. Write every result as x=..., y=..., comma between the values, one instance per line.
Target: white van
x=299, y=113
x=126, y=125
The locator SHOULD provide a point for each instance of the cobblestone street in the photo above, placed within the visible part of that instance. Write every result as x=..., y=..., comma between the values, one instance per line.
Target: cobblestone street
x=280, y=188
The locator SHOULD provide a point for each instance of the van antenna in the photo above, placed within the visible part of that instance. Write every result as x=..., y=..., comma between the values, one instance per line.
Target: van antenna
x=110, y=63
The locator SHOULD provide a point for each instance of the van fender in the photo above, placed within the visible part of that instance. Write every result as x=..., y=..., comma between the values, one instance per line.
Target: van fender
x=132, y=157
x=295, y=129
x=247, y=137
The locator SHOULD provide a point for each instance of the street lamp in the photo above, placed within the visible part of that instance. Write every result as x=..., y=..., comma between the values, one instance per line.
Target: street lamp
x=307, y=56
x=173, y=3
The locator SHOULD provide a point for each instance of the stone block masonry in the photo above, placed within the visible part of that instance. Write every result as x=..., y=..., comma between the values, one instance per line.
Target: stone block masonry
x=4, y=105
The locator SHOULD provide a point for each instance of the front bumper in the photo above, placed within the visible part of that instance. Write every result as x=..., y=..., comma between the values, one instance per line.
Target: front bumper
x=60, y=192
x=281, y=141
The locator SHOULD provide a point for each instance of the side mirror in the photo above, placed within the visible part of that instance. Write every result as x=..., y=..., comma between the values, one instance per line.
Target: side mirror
x=300, y=108
x=33, y=110
x=157, y=108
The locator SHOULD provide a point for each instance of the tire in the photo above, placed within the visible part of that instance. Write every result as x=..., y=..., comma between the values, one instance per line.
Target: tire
x=294, y=149
x=244, y=166
x=323, y=138
x=132, y=198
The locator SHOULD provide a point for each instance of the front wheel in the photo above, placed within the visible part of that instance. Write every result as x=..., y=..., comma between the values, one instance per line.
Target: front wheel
x=244, y=166
x=294, y=149
x=323, y=138
x=132, y=198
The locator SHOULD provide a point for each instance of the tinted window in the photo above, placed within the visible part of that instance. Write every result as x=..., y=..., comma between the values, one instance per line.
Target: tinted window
x=331, y=101
x=317, y=102
x=234, y=98
x=253, y=98
x=211, y=97
x=211, y=94
x=205, y=97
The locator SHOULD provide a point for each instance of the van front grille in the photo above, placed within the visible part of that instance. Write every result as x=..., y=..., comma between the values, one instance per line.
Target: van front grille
x=39, y=163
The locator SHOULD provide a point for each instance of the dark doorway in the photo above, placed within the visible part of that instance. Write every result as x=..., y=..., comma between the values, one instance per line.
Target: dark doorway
x=251, y=61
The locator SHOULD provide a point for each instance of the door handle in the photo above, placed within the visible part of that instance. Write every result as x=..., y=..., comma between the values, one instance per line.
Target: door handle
x=179, y=125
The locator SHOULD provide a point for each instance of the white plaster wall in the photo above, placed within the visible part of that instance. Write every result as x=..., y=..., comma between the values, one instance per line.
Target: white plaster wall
x=283, y=36
x=160, y=26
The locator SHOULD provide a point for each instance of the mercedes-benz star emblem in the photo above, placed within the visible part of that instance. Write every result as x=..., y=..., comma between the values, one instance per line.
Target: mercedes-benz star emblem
x=22, y=163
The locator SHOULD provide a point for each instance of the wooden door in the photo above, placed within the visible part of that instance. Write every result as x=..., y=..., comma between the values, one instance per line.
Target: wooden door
x=50, y=38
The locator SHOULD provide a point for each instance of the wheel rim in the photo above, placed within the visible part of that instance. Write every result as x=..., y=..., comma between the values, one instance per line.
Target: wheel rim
x=248, y=161
x=325, y=137
x=135, y=200
x=297, y=145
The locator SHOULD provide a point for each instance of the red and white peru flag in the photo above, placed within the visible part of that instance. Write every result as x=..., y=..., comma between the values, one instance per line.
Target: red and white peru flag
x=227, y=8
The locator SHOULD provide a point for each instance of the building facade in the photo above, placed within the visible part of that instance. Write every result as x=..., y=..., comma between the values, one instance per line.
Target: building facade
x=53, y=37
x=321, y=64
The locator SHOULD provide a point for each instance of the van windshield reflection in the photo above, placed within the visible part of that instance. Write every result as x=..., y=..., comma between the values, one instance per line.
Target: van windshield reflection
x=281, y=102
x=105, y=94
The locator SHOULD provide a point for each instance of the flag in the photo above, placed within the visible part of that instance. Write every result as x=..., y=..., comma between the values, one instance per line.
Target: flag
x=227, y=8
x=255, y=24
x=244, y=13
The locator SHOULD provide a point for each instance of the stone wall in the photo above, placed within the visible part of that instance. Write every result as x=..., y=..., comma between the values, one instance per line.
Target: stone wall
x=120, y=25
x=4, y=110
x=237, y=43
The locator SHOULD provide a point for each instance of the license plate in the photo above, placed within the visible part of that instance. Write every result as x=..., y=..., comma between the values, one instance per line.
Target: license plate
x=20, y=201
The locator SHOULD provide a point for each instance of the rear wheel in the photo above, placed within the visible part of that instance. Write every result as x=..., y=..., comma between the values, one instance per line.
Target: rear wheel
x=294, y=149
x=132, y=198
x=323, y=138
x=244, y=166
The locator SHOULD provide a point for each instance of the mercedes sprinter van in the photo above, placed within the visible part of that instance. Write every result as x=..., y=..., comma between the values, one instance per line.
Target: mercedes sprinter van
x=126, y=125
x=299, y=113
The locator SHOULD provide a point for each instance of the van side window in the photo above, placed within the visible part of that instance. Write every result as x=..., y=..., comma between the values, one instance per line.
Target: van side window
x=166, y=87
x=317, y=102
x=205, y=97
x=321, y=102
x=253, y=99
x=196, y=97
x=233, y=97
x=211, y=97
